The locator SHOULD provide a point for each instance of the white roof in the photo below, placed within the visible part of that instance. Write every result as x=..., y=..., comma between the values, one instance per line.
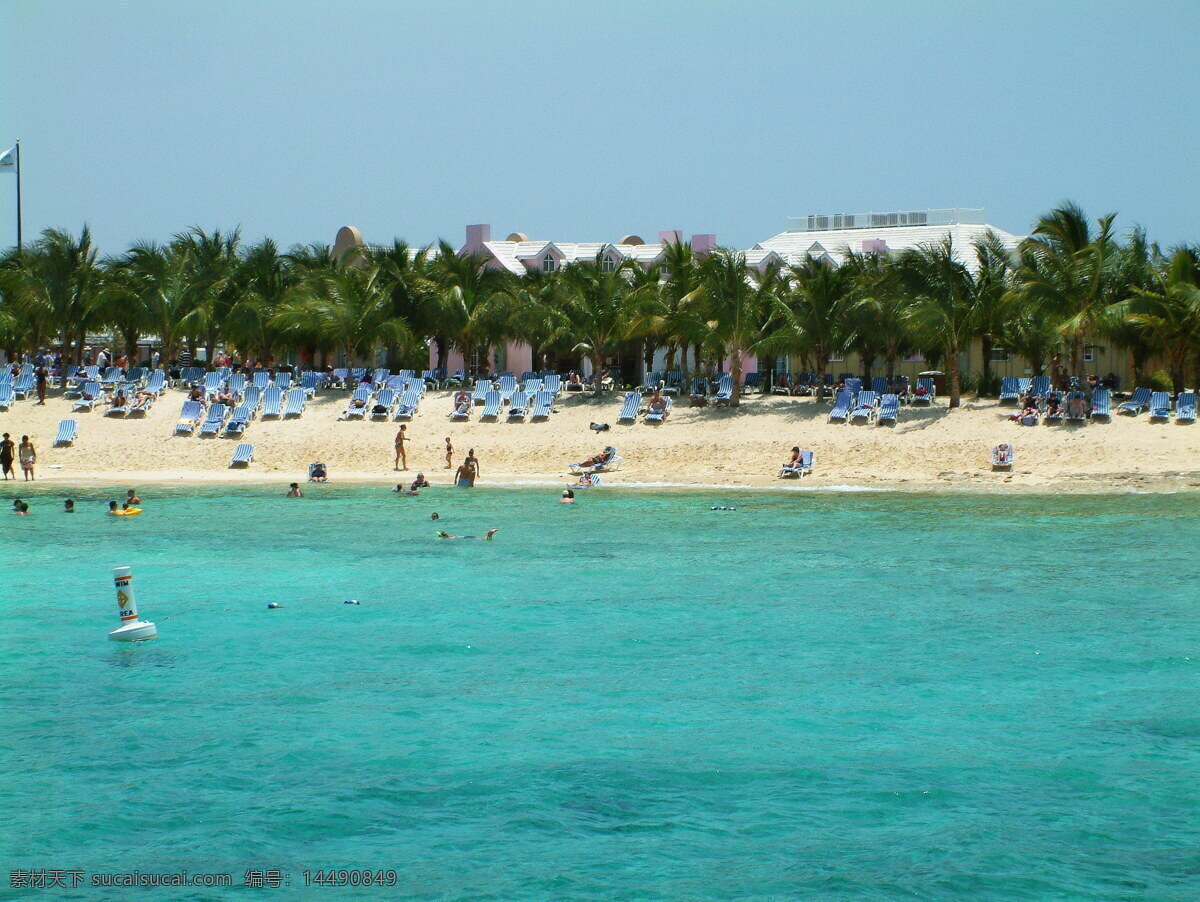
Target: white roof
x=794, y=246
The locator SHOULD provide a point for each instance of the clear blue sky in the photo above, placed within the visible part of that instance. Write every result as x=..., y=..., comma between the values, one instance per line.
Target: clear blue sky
x=588, y=121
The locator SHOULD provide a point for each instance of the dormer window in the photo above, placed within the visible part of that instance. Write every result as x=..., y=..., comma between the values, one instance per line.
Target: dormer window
x=548, y=263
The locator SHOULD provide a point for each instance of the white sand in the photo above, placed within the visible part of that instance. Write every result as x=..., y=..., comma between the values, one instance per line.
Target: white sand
x=929, y=449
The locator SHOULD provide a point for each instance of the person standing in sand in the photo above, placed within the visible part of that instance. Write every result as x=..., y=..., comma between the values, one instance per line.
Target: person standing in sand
x=7, y=452
x=401, y=456
x=449, y=454
x=28, y=457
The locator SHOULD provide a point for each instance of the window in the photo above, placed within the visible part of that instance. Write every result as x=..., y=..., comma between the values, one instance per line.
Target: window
x=548, y=263
x=1000, y=355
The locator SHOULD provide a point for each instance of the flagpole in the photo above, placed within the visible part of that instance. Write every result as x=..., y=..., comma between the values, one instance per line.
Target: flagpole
x=18, y=193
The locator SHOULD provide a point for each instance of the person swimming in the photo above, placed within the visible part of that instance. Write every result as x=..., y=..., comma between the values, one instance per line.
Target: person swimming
x=442, y=534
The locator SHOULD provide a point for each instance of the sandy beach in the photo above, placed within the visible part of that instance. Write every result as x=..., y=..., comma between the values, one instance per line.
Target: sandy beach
x=929, y=449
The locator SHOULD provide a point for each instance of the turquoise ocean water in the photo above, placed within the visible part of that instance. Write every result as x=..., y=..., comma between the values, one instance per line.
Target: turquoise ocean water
x=818, y=696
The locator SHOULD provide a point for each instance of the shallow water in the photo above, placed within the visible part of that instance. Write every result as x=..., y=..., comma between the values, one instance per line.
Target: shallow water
x=818, y=695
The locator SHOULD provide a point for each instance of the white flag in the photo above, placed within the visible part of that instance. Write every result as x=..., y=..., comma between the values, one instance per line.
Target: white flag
x=8, y=160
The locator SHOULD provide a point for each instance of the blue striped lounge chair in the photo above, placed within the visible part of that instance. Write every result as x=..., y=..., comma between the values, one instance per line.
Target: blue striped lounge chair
x=1010, y=389
x=482, y=387
x=630, y=407
x=552, y=383
x=724, y=390
x=384, y=403
x=841, y=407
x=518, y=405
x=1004, y=456
x=359, y=404
x=1040, y=386
x=409, y=401
x=659, y=416
x=92, y=393
x=189, y=418
x=492, y=402
x=293, y=403
x=1101, y=404
x=23, y=386
x=930, y=395
x=214, y=420
x=239, y=420
x=1160, y=406
x=1138, y=402
x=6, y=395
x=1185, y=407
x=66, y=433
x=879, y=385
x=889, y=410
x=242, y=455
x=542, y=402
x=802, y=467
x=272, y=402
x=864, y=407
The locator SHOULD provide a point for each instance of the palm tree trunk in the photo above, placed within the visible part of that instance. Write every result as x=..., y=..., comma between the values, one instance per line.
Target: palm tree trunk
x=955, y=382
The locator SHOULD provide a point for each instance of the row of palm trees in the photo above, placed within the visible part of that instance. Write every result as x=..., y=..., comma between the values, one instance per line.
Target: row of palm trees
x=1071, y=284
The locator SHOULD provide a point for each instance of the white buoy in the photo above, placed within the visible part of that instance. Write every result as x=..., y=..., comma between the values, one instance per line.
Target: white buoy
x=131, y=629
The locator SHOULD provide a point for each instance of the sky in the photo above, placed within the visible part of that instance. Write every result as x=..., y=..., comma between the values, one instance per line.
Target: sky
x=589, y=121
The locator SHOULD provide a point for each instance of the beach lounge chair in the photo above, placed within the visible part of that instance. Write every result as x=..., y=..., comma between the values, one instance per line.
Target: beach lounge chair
x=889, y=410
x=189, y=418
x=841, y=407
x=92, y=392
x=272, y=402
x=66, y=433
x=607, y=461
x=23, y=386
x=930, y=395
x=542, y=402
x=1010, y=389
x=482, y=387
x=518, y=405
x=294, y=401
x=384, y=403
x=492, y=403
x=1040, y=386
x=803, y=467
x=1138, y=402
x=1160, y=406
x=658, y=416
x=1185, y=407
x=6, y=396
x=724, y=390
x=214, y=420
x=1003, y=456
x=1101, y=403
x=239, y=420
x=242, y=455
x=630, y=407
x=864, y=407
x=409, y=401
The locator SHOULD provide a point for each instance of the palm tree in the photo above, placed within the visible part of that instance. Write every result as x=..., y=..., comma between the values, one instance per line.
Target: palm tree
x=473, y=301
x=347, y=308
x=942, y=313
x=730, y=308
x=812, y=314
x=57, y=285
x=591, y=307
x=1170, y=312
x=1067, y=268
